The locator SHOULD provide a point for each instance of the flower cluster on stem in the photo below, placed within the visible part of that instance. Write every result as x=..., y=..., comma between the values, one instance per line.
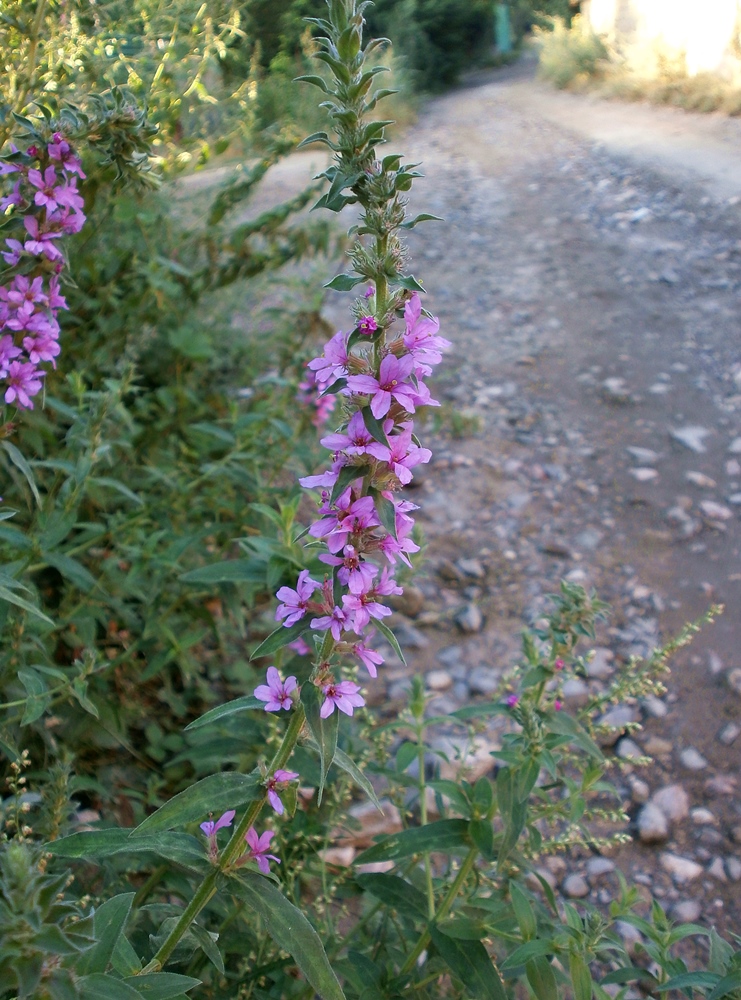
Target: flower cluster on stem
x=43, y=206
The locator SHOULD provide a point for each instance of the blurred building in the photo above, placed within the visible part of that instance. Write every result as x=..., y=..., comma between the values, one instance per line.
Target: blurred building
x=677, y=36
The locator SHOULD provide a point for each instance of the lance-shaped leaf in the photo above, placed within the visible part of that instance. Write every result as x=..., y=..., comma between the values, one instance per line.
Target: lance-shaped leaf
x=100, y=987
x=246, y=703
x=566, y=725
x=290, y=930
x=228, y=571
x=323, y=731
x=280, y=638
x=344, y=282
x=386, y=512
x=470, y=962
x=214, y=794
x=424, y=217
x=394, y=892
x=348, y=474
x=386, y=631
x=410, y=283
x=180, y=848
x=374, y=426
x=109, y=922
x=444, y=836
x=162, y=985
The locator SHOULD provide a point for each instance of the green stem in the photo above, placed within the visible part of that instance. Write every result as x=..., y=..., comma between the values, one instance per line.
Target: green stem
x=421, y=784
x=207, y=889
x=447, y=902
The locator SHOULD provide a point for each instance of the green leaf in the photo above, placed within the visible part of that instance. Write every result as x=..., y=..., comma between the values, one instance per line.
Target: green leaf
x=100, y=987
x=348, y=474
x=581, y=978
x=124, y=959
x=213, y=794
x=395, y=892
x=512, y=811
x=566, y=725
x=19, y=461
x=374, y=426
x=524, y=914
x=689, y=980
x=462, y=928
x=246, y=703
x=386, y=512
x=114, y=484
x=482, y=834
x=109, y=922
x=290, y=930
x=38, y=697
x=542, y=978
x=424, y=217
x=526, y=952
x=469, y=962
x=11, y=598
x=161, y=985
x=280, y=638
x=727, y=985
x=344, y=282
x=180, y=848
x=445, y=836
x=386, y=631
x=72, y=570
x=410, y=283
x=324, y=731
x=228, y=571
x=348, y=765
x=208, y=946
x=474, y=711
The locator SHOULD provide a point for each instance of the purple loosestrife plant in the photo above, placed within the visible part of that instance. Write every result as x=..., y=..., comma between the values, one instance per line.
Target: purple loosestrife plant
x=43, y=206
x=373, y=374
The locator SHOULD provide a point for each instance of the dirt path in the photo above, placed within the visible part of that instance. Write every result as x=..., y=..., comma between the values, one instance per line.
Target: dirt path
x=589, y=275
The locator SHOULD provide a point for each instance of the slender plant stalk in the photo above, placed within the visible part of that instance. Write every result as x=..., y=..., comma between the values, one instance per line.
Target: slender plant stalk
x=208, y=887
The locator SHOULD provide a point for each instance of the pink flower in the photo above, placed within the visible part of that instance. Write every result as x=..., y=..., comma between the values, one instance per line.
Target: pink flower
x=363, y=607
x=355, y=573
x=25, y=290
x=279, y=780
x=42, y=347
x=370, y=290
x=210, y=828
x=420, y=336
x=40, y=242
x=368, y=657
x=14, y=255
x=390, y=385
x=333, y=362
x=405, y=454
x=511, y=700
x=357, y=440
x=8, y=351
x=14, y=198
x=60, y=151
x=344, y=695
x=259, y=847
x=335, y=622
x=24, y=381
x=324, y=479
x=56, y=301
x=276, y=693
x=401, y=546
x=300, y=646
x=558, y=704
x=367, y=325
x=295, y=601
x=47, y=193
x=559, y=664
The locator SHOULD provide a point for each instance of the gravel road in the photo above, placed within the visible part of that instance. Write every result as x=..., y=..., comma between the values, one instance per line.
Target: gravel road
x=588, y=272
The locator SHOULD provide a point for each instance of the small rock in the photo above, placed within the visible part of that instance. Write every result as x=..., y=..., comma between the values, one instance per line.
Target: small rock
x=717, y=869
x=733, y=869
x=575, y=692
x=692, y=759
x=600, y=666
x=653, y=826
x=628, y=749
x=644, y=475
x=729, y=733
x=438, y=680
x=483, y=680
x=681, y=869
x=735, y=446
x=687, y=911
x=575, y=887
x=734, y=680
x=450, y=656
x=700, y=479
x=702, y=817
x=715, y=664
x=450, y=572
x=469, y=618
x=673, y=801
x=691, y=437
x=715, y=511
x=410, y=603
x=615, y=390
x=471, y=568
x=341, y=856
x=408, y=636
x=655, y=746
x=643, y=456
x=721, y=784
x=639, y=790
x=599, y=866
x=654, y=706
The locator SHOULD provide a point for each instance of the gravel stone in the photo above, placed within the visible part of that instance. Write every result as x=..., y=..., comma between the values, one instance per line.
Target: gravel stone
x=702, y=817
x=653, y=826
x=617, y=717
x=733, y=869
x=687, y=911
x=734, y=680
x=438, y=680
x=681, y=869
x=691, y=437
x=470, y=618
x=600, y=666
x=639, y=790
x=673, y=801
x=729, y=733
x=599, y=866
x=483, y=680
x=692, y=759
x=575, y=887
